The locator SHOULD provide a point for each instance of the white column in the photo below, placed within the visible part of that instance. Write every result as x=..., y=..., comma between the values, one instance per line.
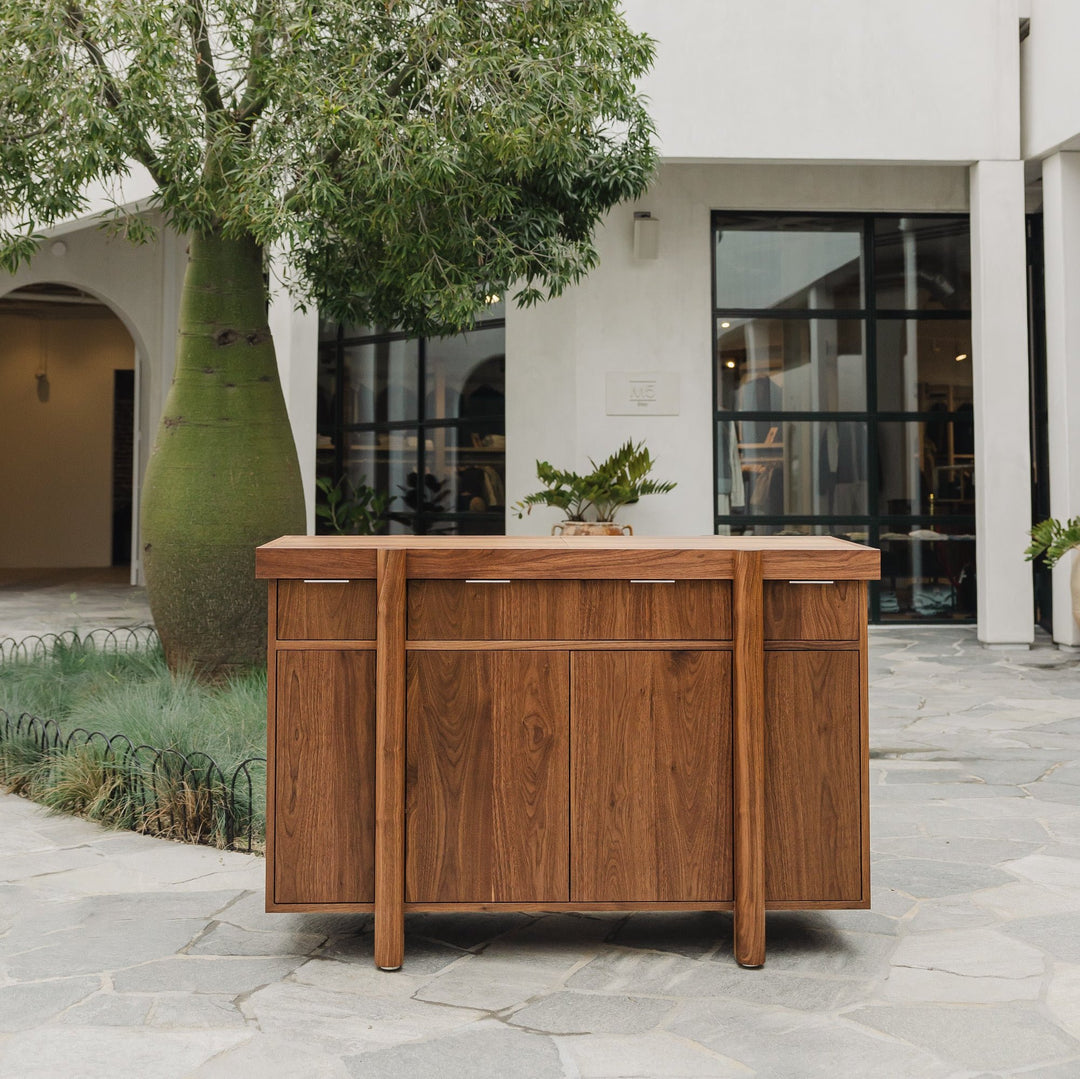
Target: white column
x=296, y=342
x=1061, y=231
x=1000, y=374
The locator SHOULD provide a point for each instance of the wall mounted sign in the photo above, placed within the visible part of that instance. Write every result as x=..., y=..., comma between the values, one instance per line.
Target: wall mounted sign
x=642, y=393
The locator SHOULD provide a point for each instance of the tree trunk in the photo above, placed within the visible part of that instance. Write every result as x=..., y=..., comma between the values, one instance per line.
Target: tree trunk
x=224, y=475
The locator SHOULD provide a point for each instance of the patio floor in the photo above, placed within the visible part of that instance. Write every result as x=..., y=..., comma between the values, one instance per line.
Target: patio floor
x=121, y=954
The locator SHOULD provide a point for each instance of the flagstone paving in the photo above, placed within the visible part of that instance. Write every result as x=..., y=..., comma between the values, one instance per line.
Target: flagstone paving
x=125, y=955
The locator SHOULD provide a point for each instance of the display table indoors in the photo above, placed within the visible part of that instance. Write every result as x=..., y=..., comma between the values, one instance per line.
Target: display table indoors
x=581, y=723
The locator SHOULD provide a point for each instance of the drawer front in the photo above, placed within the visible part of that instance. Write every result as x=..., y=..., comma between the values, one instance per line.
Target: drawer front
x=442, y=610
x=814, y=611
x=326, y=610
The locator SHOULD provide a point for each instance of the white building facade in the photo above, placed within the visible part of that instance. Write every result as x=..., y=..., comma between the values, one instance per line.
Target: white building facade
x=858, y=317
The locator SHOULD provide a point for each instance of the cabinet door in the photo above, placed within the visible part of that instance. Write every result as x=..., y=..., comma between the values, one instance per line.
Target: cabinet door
x=486, y=777
x=324, y=777
x=651, y=796
x=814, y=762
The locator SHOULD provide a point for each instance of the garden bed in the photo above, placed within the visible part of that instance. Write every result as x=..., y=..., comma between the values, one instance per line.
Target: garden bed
x=95, y=725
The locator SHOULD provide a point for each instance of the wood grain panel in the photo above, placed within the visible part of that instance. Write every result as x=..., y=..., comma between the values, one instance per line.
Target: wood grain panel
x=390, y=761
x=651, y=795
x=813, y=612
x=487, y=777
x=693, y=557
x=748, y=715
x=570, y=610
x=324, y=777
x=813, y=776
x=326, y=610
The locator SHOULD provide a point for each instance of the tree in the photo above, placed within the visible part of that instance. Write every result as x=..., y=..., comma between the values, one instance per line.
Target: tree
x=408, y=157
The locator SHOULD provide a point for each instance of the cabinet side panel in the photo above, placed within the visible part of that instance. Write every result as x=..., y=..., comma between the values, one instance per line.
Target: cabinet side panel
x=324, y=777
x=813, y=776
x=487, y=774
x=651, y=761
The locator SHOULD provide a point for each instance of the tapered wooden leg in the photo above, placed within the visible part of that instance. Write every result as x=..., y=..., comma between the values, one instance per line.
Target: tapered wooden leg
x=748, y=739
x=390, y=762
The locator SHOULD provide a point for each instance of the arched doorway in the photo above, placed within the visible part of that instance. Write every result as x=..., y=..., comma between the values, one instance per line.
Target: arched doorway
x=67, y=431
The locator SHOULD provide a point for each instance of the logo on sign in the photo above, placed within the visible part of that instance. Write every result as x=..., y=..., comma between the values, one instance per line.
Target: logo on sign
x=642, y=391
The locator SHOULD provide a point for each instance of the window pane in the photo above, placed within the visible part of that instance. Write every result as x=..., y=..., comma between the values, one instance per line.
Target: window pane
x=466, y=479
x=928, y=572
x=927, y=467
x=766, y=468
x=383, y=461
x=466, y=376
x=922, y=264
x=791, y=262
x=747, y=526
x=380, y=382
x=924, y=365
x=793, y=364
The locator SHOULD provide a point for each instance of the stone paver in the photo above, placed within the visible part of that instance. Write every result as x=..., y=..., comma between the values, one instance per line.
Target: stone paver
x=121, y=954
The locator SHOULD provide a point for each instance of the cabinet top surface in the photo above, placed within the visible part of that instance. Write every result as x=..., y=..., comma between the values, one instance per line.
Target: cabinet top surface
x=564, y=543
x=686, y=556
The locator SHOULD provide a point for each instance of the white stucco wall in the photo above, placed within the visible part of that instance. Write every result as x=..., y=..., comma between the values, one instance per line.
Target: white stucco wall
x=1050, y=84
x=633, y=315
x=836, y=80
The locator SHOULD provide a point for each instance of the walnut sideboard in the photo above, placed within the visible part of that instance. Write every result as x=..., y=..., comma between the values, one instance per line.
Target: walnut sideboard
x=580, y=723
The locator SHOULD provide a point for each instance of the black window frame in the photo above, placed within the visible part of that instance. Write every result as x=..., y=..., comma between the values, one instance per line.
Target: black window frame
x=870, y=315
x=422, y=523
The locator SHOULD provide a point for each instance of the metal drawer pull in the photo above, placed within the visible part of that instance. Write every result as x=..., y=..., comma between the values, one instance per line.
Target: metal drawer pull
x=326, y=580
x=487, y=580
x=811, y=582
x=653, y=580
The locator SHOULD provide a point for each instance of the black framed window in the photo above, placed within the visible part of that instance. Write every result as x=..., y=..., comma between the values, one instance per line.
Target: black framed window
x=843, y=393
x=422, y=420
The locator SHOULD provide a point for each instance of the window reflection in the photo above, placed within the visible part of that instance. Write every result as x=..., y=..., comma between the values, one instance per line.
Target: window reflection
x=792, y=365
x=924, y=365
x=801, y=468
x=794, y=262
x=922, y=263
x=421, y=421
x=848, y=413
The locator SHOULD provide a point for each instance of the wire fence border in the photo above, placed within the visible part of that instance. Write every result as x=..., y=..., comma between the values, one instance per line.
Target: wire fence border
x=172, y=794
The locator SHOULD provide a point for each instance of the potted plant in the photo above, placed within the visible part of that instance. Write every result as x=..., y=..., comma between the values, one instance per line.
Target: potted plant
x=1053, y=540
x=619, y=480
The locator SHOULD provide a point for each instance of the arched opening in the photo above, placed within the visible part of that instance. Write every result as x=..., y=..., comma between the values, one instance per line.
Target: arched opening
x=67, y=434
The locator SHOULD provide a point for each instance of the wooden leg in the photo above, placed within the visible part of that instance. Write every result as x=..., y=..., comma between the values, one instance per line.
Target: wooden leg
x=748, y=739
x=390, y=763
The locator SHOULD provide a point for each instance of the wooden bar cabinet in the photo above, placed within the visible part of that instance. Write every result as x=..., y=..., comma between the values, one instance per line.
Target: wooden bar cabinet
x=498, y=723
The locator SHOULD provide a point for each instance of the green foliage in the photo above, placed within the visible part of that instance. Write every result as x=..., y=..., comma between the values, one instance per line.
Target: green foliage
x=619, y=480
x=410, y=158
x=1052, y=539
x=351, y=509
x=132, y=694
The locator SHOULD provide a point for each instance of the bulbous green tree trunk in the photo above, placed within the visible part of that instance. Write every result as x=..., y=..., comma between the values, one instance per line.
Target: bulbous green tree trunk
x=223, y=476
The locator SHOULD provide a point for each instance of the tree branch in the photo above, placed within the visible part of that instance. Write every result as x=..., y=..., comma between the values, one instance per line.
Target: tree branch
x=205, y=72
x=255, y=96
x=140, y=148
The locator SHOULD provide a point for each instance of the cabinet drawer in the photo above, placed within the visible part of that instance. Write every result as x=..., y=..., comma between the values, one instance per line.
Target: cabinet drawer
x=811, y=611
x=517, y=610
x=326, y=610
